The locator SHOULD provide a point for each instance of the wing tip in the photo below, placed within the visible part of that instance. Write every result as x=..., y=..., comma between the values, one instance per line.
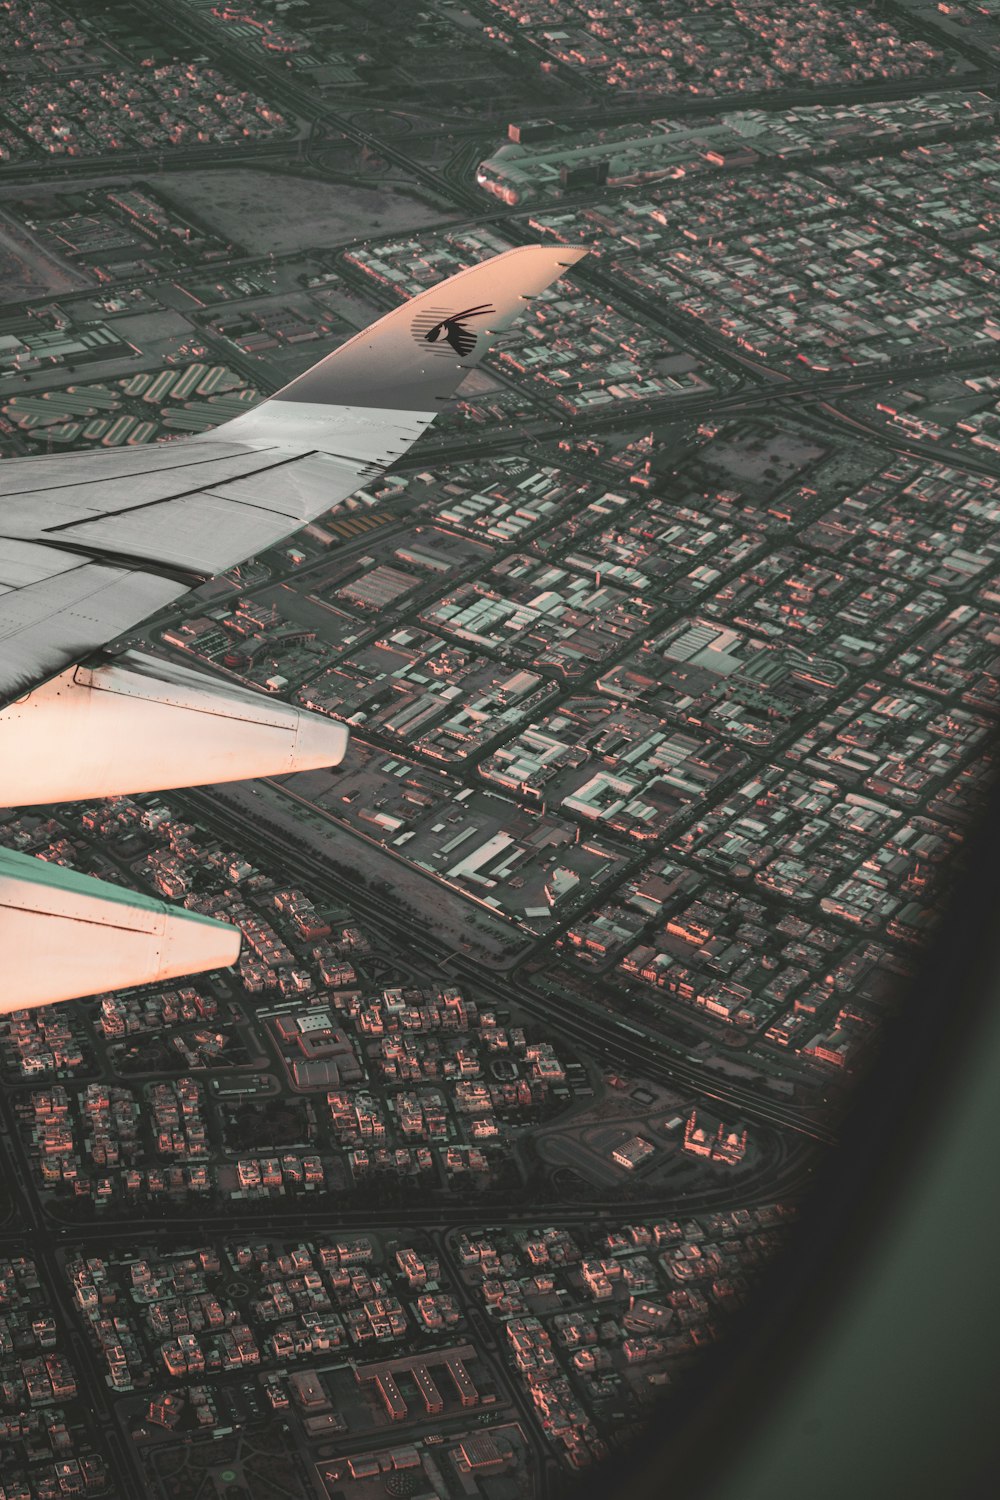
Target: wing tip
x=406, y=360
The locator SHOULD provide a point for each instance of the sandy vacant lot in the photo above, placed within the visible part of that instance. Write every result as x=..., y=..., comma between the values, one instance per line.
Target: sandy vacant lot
x=266, y=211
x=28, y=270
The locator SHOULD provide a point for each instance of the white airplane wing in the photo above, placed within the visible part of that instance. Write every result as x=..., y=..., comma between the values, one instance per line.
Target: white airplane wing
x=93, y=544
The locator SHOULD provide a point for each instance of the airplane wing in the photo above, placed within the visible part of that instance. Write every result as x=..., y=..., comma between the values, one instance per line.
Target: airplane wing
x=93, y=544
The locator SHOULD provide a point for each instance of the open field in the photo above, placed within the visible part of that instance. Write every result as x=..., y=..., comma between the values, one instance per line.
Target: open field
x=264, y=211
x=27, y=270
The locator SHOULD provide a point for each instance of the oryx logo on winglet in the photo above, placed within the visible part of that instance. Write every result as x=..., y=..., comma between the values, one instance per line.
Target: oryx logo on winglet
x=434, y=325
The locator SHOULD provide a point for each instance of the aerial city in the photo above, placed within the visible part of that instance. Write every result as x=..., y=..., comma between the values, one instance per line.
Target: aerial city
x=516, y=760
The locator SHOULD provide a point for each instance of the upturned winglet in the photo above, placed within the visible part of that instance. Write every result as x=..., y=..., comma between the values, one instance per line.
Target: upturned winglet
x=419, y=354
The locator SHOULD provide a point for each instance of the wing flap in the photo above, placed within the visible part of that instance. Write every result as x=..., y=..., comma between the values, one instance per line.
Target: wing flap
x=26, y=476
x=69, y=614
x=34, y=513
x=23, y=564
x=204, y=533
x=313, y=480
